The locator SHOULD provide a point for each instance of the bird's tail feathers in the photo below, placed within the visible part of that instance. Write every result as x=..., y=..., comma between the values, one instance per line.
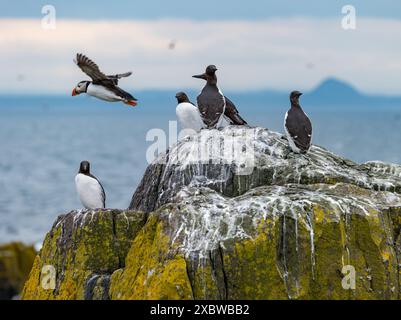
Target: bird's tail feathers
x=237, y=119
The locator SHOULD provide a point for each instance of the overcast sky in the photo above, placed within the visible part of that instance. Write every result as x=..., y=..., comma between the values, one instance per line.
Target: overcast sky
x=255, y=44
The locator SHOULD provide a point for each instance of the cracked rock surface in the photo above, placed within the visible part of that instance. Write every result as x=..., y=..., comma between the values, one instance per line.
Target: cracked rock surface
x=262, y=225
x=82, y=250
x=267, y=162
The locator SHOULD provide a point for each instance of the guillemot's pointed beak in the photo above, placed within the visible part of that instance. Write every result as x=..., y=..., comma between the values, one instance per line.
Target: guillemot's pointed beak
x=200, y=76
x=74, y=93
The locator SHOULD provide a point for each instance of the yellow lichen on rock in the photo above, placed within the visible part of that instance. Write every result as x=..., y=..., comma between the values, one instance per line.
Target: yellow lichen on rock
x=312, y=226
x=297, y=251
x=259, y=277
x=153, y=270
x=16, y=260
x=81, y=247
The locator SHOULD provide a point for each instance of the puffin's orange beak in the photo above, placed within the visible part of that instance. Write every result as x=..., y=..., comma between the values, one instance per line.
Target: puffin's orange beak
x=74, y=93
x=131, y=102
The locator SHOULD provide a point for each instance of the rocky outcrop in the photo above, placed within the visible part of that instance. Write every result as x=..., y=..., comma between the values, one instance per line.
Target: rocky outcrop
x=81, y=252
x=16, y=260
x=256, y=157
x=261, y=223
x=272, y=242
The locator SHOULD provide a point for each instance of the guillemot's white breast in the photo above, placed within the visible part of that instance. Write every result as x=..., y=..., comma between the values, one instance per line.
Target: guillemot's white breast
x=90, y=191
x=222, y=121
x=188, y=116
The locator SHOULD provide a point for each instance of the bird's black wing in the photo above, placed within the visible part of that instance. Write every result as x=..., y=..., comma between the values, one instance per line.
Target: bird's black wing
x=120, y=92
x=232, y=113
x=300, y=129
x=116, y=77
x=210, y=108
x=308, y=131
x=103, y=196
x=90, y=68
x=103, y=193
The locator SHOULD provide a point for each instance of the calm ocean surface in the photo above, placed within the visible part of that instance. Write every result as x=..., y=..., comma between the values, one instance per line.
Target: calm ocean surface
x=43, y=140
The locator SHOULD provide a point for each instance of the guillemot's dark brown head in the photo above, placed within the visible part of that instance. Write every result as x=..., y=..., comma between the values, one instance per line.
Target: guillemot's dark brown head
x=84, y=167
x=294, y=97
x=209, y=75
x=182, y=97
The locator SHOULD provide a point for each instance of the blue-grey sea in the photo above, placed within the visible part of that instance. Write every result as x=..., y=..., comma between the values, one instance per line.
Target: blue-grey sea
x=44, y=138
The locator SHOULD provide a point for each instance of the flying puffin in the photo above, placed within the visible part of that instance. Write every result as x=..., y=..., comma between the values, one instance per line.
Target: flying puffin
x=89, y=188
x=297, y=126
x=102, y=86
x=187, y=113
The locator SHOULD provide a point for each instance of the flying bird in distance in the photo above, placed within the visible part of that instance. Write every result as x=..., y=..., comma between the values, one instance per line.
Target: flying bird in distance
x=102, y=87
x=172, y=44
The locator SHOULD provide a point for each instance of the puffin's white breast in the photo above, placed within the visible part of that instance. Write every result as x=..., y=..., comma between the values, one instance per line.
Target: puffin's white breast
x=103, y=93
x=90, y=191
x=188, y=116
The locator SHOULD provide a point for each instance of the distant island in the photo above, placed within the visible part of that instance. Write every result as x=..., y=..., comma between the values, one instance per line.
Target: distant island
x=331, y=92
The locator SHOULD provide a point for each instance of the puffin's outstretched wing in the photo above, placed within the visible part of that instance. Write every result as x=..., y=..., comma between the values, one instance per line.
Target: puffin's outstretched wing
x=90, y=68
x=116, y=77
x=232, y=113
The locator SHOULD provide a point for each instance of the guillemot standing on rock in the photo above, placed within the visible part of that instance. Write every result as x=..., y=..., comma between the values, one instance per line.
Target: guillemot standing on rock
x=102, y=86
x=90, y=190
x=211, y=102
x=187, y=113
x=297, y=126
x=213, y=105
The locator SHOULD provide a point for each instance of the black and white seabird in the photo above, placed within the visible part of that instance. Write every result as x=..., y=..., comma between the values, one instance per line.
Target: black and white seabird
x=102, y=86
x=211, y=102
x=89, y=188
x=187, y=113
x=213, y=105
x=297, y=126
